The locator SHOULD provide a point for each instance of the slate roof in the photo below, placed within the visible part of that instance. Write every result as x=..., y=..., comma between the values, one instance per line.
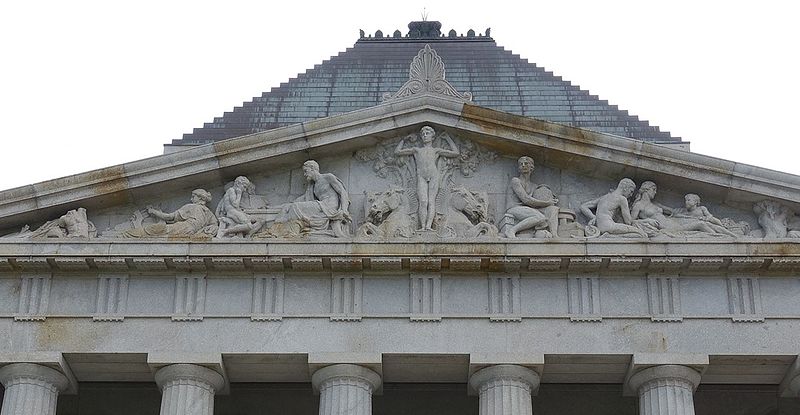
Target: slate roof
x=358, y=77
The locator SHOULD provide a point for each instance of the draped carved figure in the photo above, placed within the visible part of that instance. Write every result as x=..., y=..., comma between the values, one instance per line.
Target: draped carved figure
x=323, y=209
x=692, y=220
x=193, y=219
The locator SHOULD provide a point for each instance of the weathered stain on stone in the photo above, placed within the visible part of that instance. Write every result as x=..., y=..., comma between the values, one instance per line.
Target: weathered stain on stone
x=64, y=334
x=490, y=120
x=111, y=181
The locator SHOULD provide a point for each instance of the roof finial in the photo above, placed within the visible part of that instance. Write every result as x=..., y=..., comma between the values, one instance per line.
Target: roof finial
x=424, y=15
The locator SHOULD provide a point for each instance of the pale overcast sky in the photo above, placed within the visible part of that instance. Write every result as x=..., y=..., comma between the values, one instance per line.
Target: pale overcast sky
x=90, y=84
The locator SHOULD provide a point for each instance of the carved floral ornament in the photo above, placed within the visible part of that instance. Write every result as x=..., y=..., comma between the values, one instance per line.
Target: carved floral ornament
x=435, y=187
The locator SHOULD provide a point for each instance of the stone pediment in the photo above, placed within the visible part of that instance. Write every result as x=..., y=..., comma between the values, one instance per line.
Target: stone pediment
x=379, y=153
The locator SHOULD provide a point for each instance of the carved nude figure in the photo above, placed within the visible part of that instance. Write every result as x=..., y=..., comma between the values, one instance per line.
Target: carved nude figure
x=191, y=219
x=607, y=206
x=654, y=214
x=694, y=210
x=525, y=211
x=428, y=176
x=324, y=206
x=73, y=224
x=232, y=218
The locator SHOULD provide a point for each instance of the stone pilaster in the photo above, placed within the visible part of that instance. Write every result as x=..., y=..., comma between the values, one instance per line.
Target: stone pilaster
x=666, y=390
x=345, y=389
x=188, y=389
x=31, y=389
x=505, y=389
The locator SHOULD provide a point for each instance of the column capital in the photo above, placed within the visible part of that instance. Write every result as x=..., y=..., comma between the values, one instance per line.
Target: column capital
x=505, y=372
x=33, y=371
x=678, y=373
x=345, y=370
x=189, y=371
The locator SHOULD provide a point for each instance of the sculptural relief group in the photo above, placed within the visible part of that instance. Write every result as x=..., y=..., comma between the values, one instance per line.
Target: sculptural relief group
x=426, y=198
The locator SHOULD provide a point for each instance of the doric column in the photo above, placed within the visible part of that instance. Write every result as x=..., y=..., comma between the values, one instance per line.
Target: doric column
x=188, y=389
x=505, y=389
x=31, y=389
x=665, y=390
x=345, y=389
x=794, y=387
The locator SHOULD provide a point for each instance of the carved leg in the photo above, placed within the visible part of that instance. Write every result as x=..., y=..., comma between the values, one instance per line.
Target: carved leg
x=223, y=228
x=255, y=227
x=422, y=198
x=527, y=223
x=433, y=191
x=551, y=212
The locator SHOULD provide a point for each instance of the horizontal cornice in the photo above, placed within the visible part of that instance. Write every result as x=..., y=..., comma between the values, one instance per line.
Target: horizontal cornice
x=611, y=257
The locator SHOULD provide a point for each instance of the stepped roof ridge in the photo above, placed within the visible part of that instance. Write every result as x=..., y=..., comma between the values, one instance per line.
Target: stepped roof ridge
x=360, y=76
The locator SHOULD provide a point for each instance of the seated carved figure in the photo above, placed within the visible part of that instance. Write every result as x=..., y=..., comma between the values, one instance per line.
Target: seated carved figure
x=650, y=213
x=529, y=206
x=191, y=219
x=323, y=209
x=230, y=212
x=609, y=205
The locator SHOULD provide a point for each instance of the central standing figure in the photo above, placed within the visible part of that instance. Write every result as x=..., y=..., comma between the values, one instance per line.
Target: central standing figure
x=426, y=159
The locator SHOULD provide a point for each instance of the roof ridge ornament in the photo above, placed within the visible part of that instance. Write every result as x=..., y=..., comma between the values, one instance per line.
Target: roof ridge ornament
x=426, y=76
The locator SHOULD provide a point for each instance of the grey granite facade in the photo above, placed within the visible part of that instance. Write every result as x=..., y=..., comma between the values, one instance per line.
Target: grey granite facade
x=426, y=255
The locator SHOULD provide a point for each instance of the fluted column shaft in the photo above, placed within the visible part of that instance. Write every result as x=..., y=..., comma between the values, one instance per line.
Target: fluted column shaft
x=666, y=390
x=31, y=389
x=505, y=389
x=794, y=387
x=188, y=389
x=345, y=389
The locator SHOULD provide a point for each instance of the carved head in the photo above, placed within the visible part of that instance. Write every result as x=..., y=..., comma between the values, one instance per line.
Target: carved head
x=691, y=200
x=200, y=196
x=382, y=204
x=310, y=169
x=525, y=164
x=245, y=184
x=647, y=188
x=474, y=205
x=74, y=216
x=626, y=186
x=427, y=134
